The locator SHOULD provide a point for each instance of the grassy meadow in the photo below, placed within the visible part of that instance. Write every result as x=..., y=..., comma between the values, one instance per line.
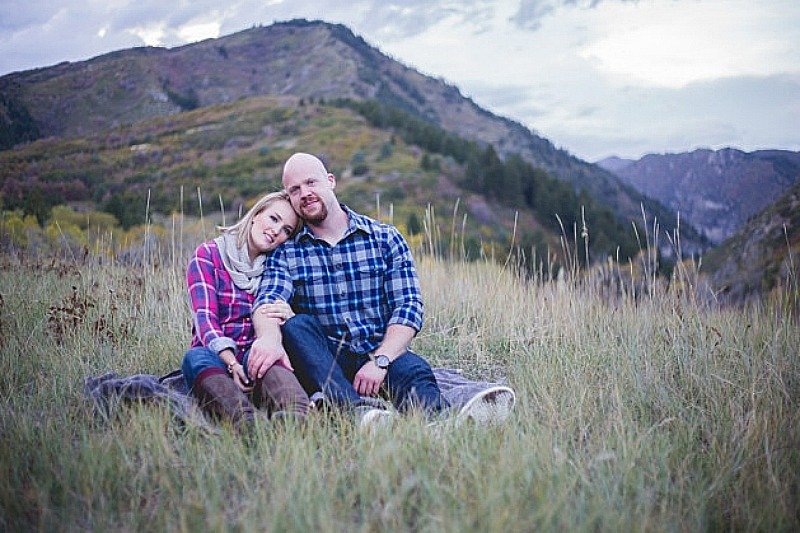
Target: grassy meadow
x=639, y=408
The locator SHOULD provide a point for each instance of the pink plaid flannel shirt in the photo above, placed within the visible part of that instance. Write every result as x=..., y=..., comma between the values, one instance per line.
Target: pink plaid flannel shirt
x=221, y=311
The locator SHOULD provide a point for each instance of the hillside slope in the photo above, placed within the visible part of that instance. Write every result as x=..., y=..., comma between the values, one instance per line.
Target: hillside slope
x=230, y=153
x=715, y=191
x=299, y=58
x=763, y=254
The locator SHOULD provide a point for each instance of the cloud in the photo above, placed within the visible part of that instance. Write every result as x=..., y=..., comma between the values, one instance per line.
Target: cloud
x=587, y=111
x=59, y=32
x=530, y=13
x=403, y=19
x=160, y=23
x=591, y=4
x=171, y=14
x=513, y=100
x=595, y=76
x=197, y=31
x=501, y=95
x=747, y=112
x=672, y=44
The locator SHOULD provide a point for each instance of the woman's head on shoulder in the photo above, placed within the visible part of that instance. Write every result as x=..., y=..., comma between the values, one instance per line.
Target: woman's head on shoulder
x=268, y=224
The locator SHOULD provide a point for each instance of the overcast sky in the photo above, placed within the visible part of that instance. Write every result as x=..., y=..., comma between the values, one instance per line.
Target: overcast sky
x=596, y=77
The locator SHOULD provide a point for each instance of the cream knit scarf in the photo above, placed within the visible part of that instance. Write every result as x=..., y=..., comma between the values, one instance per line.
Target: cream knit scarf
x=246, y=275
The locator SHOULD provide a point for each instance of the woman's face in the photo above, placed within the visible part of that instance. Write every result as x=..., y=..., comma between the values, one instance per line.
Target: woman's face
x=271, y=227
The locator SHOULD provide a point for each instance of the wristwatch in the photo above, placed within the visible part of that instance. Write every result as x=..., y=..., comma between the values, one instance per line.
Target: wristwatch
x=382, y=361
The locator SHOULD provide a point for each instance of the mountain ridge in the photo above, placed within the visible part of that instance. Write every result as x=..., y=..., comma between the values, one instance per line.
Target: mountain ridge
x=234, y=152
x=716, y=191
x=307, y=59
x=762, y=255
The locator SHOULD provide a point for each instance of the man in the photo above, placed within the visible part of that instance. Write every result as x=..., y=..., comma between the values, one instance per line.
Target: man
x=353, y=283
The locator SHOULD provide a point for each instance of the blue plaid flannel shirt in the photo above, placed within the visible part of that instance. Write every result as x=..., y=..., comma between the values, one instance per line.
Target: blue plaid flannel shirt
x=357, y=288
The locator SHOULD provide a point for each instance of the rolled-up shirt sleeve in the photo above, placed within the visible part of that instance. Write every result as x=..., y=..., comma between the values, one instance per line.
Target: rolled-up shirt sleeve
x=201, y=279
x=401, y=283
x=276, y=282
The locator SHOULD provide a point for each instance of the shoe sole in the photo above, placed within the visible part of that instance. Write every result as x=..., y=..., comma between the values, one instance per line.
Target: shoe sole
x=375, y=418
x=490, y=406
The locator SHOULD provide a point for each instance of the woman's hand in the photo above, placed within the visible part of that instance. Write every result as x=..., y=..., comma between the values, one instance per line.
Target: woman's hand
x=279, y=310
x=240, y=378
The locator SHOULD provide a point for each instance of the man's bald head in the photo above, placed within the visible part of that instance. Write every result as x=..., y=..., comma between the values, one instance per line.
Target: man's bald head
x=310, y=187
x=302, y=165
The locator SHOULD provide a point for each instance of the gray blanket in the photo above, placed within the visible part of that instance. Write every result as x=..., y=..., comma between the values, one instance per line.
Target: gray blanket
x=108, y=390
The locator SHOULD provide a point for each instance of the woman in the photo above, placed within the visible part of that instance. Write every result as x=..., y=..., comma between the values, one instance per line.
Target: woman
x=223, y=278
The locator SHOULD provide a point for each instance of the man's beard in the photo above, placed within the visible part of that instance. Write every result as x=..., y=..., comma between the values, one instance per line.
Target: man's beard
x=319, y=216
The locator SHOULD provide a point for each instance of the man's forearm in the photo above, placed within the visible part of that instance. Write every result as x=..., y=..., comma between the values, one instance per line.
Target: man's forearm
x=396, y=341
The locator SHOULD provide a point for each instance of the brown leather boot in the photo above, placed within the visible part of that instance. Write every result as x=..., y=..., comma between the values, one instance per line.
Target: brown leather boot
x=281, y=393
x=219, y=395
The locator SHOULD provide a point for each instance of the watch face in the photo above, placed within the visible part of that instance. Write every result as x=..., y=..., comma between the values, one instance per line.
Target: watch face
x=382, y=361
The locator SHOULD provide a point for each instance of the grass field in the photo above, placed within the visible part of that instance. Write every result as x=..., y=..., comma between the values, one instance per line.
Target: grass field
x=648, y=411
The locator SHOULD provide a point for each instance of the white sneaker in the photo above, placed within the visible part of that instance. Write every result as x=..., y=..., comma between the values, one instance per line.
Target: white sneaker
x=371, y=418
x=489, y=406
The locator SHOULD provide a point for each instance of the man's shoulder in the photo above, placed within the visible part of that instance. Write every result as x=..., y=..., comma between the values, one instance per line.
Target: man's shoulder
x=283, y=252
x=371, y=225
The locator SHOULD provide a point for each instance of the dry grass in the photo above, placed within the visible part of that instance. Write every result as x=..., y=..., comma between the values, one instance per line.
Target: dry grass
x=651, y=411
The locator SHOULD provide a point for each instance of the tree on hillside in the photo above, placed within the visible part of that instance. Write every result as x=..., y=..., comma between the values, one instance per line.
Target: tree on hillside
x=512, y=182
x=127, y=207
x=413, y=224
x=16, y=124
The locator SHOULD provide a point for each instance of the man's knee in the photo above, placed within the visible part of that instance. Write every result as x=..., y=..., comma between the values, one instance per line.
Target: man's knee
x=411, y=382
x=410, y=364
x=300, y=326
x=305, y=341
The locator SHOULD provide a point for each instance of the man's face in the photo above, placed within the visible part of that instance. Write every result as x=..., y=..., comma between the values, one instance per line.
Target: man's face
x=311, y=193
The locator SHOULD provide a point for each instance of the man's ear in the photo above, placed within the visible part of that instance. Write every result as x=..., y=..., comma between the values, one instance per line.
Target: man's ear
x=332, y=180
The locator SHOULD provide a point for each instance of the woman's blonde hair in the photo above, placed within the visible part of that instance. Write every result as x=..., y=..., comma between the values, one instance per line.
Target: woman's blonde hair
x=241, y=228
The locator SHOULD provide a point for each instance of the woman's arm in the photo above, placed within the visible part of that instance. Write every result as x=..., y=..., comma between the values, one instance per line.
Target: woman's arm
x=236, y=370
x=201, y=278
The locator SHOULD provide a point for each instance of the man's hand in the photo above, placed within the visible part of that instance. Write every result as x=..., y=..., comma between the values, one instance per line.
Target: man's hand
x=278, y=310
x=369, y=379
x=264, y=354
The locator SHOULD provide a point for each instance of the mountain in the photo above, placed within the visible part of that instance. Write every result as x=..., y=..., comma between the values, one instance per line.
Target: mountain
x=714, y=191
x=225, y=155
x=763, y=254
x=615, y=164
x=298, y=58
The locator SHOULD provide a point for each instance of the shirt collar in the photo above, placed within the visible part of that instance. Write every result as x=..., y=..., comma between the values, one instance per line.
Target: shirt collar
x=356, y=222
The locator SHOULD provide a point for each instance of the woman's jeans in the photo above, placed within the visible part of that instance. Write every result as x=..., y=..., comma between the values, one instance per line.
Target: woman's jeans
x=201, y=362
x=319, y=366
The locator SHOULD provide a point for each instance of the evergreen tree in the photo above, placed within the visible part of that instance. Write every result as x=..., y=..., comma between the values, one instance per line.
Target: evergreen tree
x=413, y=225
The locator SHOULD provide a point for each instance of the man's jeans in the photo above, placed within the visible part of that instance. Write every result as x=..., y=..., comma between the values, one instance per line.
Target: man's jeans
x=319, y=366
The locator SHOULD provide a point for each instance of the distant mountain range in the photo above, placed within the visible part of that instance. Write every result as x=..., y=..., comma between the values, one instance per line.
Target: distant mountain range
x=762, y=255
x=714, y=191
x=303, y=59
